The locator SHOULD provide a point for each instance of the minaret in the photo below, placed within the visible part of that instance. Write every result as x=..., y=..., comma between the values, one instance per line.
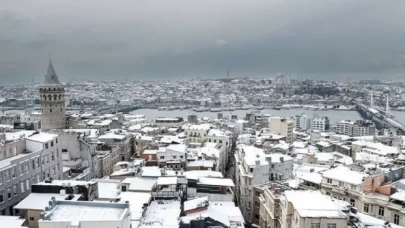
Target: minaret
x=52, y=95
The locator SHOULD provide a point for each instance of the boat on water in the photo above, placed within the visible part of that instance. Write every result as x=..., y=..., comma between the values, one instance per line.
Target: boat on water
x=216, y=109
x=277, y=108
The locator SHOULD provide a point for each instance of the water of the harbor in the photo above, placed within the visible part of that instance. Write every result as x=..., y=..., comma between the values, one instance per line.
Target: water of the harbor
x=334, y=115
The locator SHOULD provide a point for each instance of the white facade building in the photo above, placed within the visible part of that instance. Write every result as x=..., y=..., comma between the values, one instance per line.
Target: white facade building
x=302, y=121
x=282, y=126
x=254, y=167
x=26, y=161
x=320, y=123
x=173, y=156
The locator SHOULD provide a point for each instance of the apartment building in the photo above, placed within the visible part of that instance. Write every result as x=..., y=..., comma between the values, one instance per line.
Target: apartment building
x=281, y=208
x=282, y=126
x=345, y=127
x=380, y=195
x=123, y=140
x=320, y=123
x=173, y=156
x=26, y=158
x=302, y=121
x=197, y=133
x=254, y=167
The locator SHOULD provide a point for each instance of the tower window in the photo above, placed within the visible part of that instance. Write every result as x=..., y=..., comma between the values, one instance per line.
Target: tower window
x=50, y=97
x=55, y=97
x=50, y=110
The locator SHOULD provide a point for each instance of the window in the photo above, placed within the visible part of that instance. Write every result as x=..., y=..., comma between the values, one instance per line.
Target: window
x=7, y=175
x=1, y=198
x=257, y=204
x=53, y=157
x=15, y=190
x=162, y=157
x=257, y=216
x=329, y=181
x=52, y=144
x=56, y=140
x=381, y=211
x=27, y=183
x=181, y=156
x=33, y=164
x=9, y=193
x=315, y=225
x=31, y=218
x=331, y=225
x=396, y=219
x=220, y=141
x=257, y=193
x=353, y=187
x=37, y=162
x=46, y=145
x=22, y=187
x=50, y=110
x=174, y=156
x=340, y=184
x=366, y=208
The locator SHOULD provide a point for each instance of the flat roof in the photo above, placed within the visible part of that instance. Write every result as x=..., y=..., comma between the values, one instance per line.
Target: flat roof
x=141, y=184
x=314, y=204
x=42, y=137
x=12, y=221
x=167, y=181
x=38, y=201
x=85, y=211
x=136, y=201
x=162, y=213
x=216, y=181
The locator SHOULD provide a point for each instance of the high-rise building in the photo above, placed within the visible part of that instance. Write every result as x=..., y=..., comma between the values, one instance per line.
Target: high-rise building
x=282, y=126
x=302, y=121
x=52, y=96
x=320, y=123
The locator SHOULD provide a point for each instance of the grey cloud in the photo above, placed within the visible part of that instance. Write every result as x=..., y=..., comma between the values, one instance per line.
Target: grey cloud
x=180, y=38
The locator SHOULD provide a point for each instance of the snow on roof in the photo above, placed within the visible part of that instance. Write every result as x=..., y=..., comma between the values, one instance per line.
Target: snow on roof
x=315, y=178
x=400, y=196
x=97, y=122
x=198, y=127
x=161, y=214
x=213, y=213
x=201, y=163
x=195, y=203
x=136, y=201
x=323, y=144
x=380, y=149
x=38, y=201
x=373, y=222
x=216, y=132
x=297, y=144
x=147, y=152
x=324, y=156
x=216, y=181
x=85, y=211
x=141, y=184
x=112, y=135
x=181, y=148
x=16, y=135
x=167, y=181
x=314, y=204
x=12, y=221
x=108, y=189
x=42, y=137
x=196, y=174
x=66, y=183
x=346, y=175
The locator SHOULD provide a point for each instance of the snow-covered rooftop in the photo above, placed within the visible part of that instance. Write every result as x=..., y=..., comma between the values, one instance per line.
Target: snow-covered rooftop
x=136, y=202
x=38, y=201
x=196, y=174
x=167, y=181
x=162, y=214
x=195, y=203
x=141, y=184
x=42, y=137
x=346, y=175
x=314, y=204
x=216, y=181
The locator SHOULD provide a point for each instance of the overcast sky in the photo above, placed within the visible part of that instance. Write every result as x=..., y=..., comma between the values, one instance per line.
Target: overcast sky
x=176, y=39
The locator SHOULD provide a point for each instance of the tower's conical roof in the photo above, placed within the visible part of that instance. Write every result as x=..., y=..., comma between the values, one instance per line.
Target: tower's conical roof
x=50, y=76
